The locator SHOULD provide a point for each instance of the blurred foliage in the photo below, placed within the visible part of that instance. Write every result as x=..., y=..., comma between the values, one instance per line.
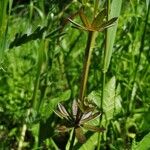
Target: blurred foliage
x=61, y=69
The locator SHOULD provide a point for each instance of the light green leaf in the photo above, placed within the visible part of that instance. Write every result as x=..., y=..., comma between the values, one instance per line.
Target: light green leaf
x=111, y=32
x=144, y=144
x=90, y=144
x=112, y=99
x=109, y=98
x=147, y=3
x=48, y=108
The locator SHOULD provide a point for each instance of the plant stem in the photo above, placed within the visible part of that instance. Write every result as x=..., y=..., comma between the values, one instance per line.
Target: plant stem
x=23, y=133
x=41, y=60
x=86, y=65
x=103, y=75
x=21, y=140
x=72, y=140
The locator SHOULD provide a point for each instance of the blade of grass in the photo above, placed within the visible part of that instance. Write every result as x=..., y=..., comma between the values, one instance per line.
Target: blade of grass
x=110, y=38
x=3, y=26
x=111, y=32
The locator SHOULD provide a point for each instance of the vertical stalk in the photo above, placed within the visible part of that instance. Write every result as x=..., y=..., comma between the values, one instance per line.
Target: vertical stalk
x=72, y=140
x=86, y=65
x=21, y=140
x=104, y=74
x=41, y=57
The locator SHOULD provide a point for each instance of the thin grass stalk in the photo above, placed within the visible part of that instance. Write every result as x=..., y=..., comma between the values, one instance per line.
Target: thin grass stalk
x=23, y=133
x=72, y=140
x=86, y=65
x=37, y=80
x=103, y=73
x=22, y=136
x=139, y=60
x=3, y=27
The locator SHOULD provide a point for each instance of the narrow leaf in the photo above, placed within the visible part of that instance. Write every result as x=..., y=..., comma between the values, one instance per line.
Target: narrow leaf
x=59, y=114
x=111, y=33
x=90, y=118
x=76, y=25
x=63, y=110
x=74, y=108
x=93, y=128
x=107, y=24
x=147, y=3
x=86, y=115
x=84, y=19
x=99, y=19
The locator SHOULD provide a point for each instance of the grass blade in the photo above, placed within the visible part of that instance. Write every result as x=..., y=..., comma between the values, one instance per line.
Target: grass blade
x=111, y=32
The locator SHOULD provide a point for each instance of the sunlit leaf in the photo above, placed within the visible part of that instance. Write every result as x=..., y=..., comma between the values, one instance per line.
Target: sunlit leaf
x=144, y=143
x=147, y=3
x=111, y=32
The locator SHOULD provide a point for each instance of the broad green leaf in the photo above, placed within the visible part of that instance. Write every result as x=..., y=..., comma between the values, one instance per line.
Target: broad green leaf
x=111, y=32
x=91, y=142
x=112, y=99
x=51, y=105
x=144, y=144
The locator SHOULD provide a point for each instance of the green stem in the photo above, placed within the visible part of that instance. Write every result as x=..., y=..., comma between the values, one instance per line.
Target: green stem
x=72, y=140
x=103, y=75
x=41, y=66
x=86, y=65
